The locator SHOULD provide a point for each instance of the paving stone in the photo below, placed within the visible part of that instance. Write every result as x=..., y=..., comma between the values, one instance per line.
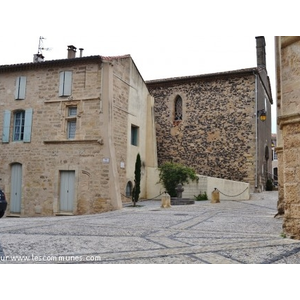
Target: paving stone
x=230, y=232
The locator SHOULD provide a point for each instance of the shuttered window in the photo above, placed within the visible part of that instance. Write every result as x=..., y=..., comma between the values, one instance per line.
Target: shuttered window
x=19, y=123
x=22, y=123
x=65, y=83
x=20, y=89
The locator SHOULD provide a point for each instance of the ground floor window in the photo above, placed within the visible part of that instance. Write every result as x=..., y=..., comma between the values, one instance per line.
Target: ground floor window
x=129, y=189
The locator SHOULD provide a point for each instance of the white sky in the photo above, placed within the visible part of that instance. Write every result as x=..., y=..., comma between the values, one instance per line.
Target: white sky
x=165, y=38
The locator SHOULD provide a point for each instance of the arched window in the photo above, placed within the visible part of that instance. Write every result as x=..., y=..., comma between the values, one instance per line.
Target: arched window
x=178, y=109
x=129, y=189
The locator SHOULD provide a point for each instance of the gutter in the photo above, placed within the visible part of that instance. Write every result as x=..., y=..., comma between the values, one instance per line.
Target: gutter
x=256, y=130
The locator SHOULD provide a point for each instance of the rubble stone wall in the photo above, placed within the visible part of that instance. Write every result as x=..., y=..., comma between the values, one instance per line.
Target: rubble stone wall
x=216, y=135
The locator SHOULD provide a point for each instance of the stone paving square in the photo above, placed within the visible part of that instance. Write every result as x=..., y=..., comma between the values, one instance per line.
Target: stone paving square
x=230, y=232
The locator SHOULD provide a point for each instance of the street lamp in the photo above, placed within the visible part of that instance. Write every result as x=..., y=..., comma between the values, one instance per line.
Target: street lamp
x=262, y=115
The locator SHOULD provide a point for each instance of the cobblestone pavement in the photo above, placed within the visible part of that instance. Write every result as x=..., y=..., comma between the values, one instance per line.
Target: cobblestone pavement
x=230, y=232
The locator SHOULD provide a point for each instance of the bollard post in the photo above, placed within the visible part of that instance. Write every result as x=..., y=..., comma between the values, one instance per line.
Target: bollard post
x=215, y=196
x=165, y=200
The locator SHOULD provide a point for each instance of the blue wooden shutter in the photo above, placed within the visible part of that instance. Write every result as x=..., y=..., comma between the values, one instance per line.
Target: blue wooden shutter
x=65, y=83
x=20, y=88
x=6, y=126
x=27, y=126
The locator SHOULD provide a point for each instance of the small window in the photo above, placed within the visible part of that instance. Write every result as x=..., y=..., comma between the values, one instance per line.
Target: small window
x=20, y=90
x=72, y=111
x=71, y=129
x=71, y=120
x=134, y=135
x=65, y=83
x=178, y=109
x=19, y=123
x=129, y=189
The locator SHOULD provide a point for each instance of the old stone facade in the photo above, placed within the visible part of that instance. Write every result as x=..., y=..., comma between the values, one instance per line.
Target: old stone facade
x=67, y=134
x=288, y=132
x=211, y=122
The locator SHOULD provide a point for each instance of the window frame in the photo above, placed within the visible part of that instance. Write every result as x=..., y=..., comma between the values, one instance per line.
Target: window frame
x=71, y=120
x=178, y=108
x=134, y=140
x=21, y=126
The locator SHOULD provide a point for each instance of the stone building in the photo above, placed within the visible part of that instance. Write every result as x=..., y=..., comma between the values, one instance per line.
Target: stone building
x=71, y=130
x=212, y=122
x=287, y=49
x=274, y=160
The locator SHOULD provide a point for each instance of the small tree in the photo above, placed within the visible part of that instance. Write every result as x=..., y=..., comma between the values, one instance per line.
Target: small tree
x=172, y=174
x=137, y=180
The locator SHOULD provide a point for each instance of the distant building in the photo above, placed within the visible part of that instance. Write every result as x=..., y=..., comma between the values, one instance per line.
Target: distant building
x=213, y=122
x=71, y=131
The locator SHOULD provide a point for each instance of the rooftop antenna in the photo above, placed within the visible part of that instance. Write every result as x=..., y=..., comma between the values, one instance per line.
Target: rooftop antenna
x=39, y=56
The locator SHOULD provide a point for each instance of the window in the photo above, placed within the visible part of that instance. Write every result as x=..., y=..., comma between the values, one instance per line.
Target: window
x=22, y=123
x=65, y=83
x=275, y=174
x=134, y=135
x=178, y=109
x=129, y=189
x=20, y=88
x=71, y=129
x=19, y=123
x=275, y=155
x=72, y=113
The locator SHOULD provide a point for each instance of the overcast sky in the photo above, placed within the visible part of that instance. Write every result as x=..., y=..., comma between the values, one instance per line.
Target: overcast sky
x=165, y=38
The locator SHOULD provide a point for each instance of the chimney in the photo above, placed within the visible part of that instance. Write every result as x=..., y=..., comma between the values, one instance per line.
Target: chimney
x=81, y=50
x=71, y=51
x=38, y=57
x=261, y=51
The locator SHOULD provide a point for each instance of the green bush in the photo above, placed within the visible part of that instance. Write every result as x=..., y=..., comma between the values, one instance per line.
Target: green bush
x=201, y=197
x=269, y=185
x=137, y=180
x=172, y=174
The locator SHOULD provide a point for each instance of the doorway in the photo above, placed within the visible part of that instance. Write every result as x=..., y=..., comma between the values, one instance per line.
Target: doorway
x=16, y=188
x=67, y=187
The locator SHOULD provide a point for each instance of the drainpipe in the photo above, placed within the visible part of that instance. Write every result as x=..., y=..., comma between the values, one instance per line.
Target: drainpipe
x=256, y=130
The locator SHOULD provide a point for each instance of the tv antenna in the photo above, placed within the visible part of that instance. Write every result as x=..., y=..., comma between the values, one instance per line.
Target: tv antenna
x=39, y=56
x=41, y=45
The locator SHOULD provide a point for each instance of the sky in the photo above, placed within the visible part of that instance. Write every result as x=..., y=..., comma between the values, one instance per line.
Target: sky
x=164, y=38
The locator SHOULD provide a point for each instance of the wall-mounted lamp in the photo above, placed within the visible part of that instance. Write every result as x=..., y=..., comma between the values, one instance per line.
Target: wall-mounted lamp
x=262, y=115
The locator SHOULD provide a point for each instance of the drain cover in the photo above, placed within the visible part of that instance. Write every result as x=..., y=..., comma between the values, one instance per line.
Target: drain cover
x=181, y=214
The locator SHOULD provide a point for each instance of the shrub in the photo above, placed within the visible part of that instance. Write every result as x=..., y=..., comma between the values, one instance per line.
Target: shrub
x=269, y=185
x=172, y=174
x=137, y=180
x=201, y=197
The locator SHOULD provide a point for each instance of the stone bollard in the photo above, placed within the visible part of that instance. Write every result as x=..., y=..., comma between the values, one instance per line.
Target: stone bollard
x=165, y=201
x=215, y=196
